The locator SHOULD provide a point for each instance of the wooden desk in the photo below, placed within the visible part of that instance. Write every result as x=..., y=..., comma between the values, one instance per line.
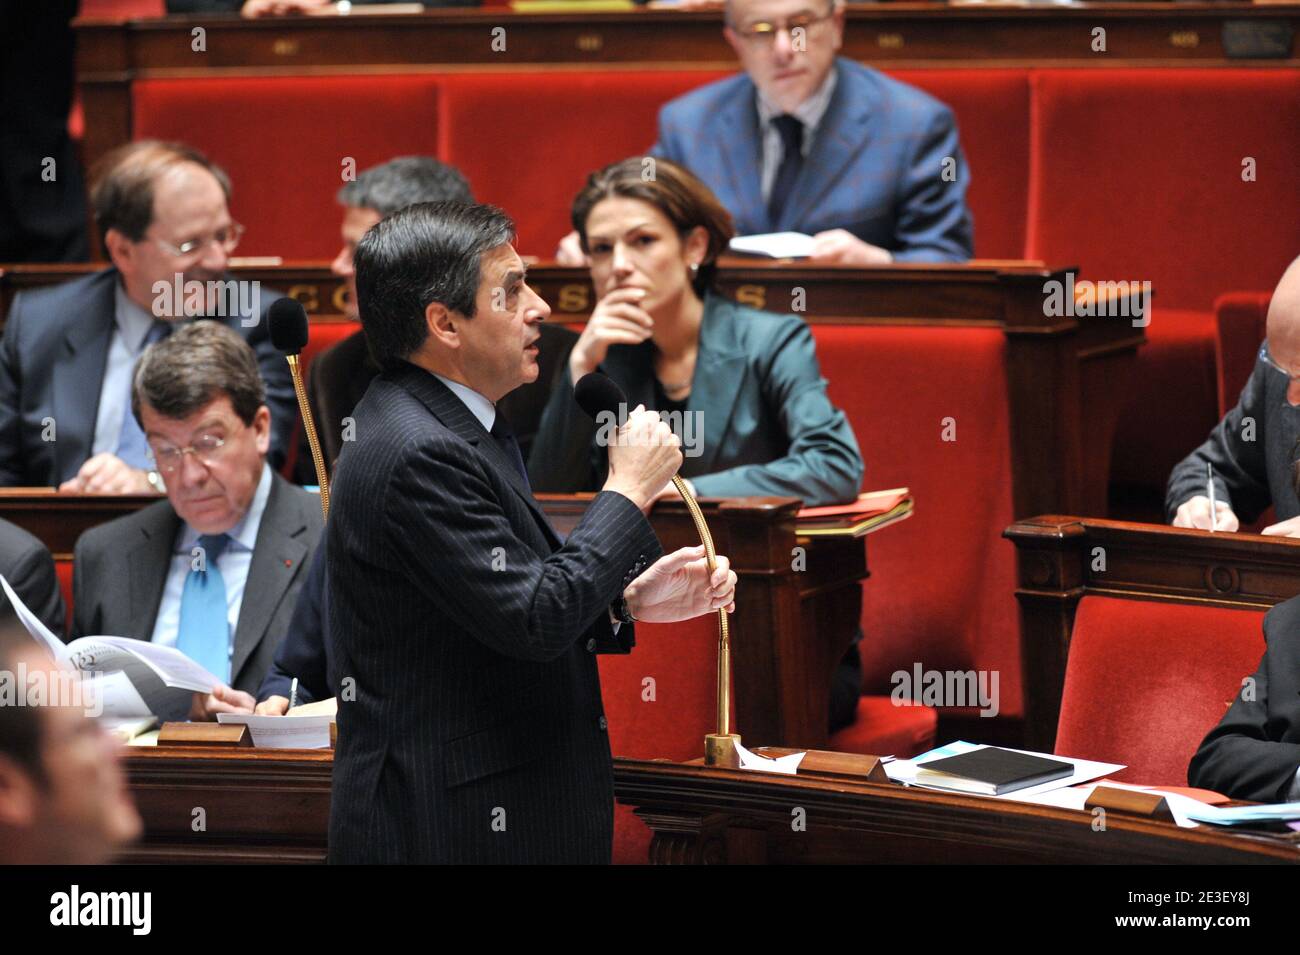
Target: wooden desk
x=1056, y=556
x=791, y=629
x=111, y=55
x=1064, y=374
x=273, y=806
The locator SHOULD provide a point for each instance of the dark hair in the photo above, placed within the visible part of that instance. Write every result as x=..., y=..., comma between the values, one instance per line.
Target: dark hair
x=20, y=726
x=403, y=182
x=199, y=360
x=121, y=194
x=429, y=252
x=683, y=199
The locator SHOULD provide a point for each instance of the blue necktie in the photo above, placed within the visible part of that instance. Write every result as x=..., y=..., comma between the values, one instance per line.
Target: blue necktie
x=131, y=445
x=204, y=631
x=791, y=131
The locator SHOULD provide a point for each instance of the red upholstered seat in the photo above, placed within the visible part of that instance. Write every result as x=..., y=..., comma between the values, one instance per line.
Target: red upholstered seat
x=122, y=9
x=286, y=142
x=1146, y=680
x=1133, y=177
x=661, y=702
x=528, y=145
x=1240, y=320
x=323, y=335
x=883, y=729
x=992, y=109
x=942, y=582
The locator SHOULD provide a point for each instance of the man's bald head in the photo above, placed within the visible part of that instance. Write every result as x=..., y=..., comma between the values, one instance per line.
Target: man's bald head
x=1284, y=320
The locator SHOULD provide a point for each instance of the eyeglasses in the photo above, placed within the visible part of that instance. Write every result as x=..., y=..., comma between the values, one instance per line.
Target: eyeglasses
x=1267, y=359
x=227, y=238
x=765, y=32
x=206, y=447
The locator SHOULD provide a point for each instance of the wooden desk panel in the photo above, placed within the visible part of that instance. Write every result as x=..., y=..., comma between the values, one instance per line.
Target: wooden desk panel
x=273, y=806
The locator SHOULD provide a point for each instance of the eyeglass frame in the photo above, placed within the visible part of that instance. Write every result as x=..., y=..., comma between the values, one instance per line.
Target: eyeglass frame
x=1269, y=360
x=751, y=35
x=200, y=454
x=189, y=247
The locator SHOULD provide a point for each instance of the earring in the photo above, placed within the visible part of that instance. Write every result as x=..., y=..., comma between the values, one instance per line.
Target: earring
x=695, y=267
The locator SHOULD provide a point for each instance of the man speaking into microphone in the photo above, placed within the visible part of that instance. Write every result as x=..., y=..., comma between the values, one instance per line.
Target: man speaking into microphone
x=474, y=730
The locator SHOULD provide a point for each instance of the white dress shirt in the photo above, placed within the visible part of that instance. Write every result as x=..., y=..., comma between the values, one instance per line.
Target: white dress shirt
x=810, y=112
x=233, y=564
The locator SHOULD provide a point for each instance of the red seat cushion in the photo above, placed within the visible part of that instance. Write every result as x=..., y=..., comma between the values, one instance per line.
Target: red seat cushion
x=883, y=729
x=562, y=126
x=1240, y=320
x=285, y=142
x=992, y=110
x=1146, y=680
x=942, y=583
x=1173, y=398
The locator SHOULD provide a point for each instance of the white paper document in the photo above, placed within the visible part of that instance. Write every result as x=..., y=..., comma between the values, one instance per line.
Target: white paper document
x=284, y=732
x=776, y=245
x=904, y=770
x=788, y=765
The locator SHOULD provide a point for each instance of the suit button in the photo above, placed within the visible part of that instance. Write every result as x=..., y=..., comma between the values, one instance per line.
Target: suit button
x=603, y=723
x=591, y=645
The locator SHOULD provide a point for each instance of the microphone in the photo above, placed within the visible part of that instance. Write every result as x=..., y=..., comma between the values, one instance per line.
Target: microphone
x=288, y=320
x=599, y=394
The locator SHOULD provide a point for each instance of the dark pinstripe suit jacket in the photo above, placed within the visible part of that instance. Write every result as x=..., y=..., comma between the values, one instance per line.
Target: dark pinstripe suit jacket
x=476, y=732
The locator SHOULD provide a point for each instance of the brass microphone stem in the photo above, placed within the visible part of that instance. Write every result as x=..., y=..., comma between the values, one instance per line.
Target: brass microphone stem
x=317, y=458
x=719, y=747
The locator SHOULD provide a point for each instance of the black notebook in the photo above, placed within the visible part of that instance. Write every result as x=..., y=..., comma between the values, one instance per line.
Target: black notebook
x=991, y=771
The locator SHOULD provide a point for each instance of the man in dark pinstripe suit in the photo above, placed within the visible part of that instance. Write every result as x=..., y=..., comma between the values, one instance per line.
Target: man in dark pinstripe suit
x=463, y=629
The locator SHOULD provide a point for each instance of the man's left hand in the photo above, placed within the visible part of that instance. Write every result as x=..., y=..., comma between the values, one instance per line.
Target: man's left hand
x=222, y=699
x=678, y=586
x=106, y=473
x=840, y=247
x=1287, y=528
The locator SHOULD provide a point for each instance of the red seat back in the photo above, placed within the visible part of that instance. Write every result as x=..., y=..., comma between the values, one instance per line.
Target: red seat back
x=1146, y=680
x=1240, y=320
x=288, y=141
x=528, y=144
x=1137, y=174
x=992, y=110
x=942, y=583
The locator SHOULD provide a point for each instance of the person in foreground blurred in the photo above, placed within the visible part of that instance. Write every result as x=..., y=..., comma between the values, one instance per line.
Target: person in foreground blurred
x=63, y=795
x=477, y=732
x=28, y=566
x=1254, y=752
x=215, y=568
x=745, y=384
x=1254, y=448
x=742, y=387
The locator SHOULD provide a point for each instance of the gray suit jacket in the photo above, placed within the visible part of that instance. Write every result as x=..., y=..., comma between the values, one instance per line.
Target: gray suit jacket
x=120, y=569
x=52, y=362
x=1253, y=450
x=768, y=426
x=27, y=565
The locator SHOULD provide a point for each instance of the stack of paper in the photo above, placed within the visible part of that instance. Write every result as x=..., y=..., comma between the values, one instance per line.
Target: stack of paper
x=870, y=512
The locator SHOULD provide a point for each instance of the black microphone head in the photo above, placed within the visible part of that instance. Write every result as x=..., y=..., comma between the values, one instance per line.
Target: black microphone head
x=288, y=325
x=596, y=393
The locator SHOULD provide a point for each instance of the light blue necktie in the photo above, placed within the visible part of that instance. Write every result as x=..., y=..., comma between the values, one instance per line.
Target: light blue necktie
x=204, y=631
x=131, y=445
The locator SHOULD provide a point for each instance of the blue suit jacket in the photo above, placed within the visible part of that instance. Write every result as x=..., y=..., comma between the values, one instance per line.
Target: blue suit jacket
x=52, y=362
x=304, y=653
x=768, y=426
x=876, y=165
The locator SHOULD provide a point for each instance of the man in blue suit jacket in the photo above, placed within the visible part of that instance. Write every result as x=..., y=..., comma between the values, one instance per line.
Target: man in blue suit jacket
x=881, y=176
x=68, y=351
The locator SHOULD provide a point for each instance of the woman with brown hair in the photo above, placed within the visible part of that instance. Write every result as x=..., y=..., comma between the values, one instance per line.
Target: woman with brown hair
x=741, y=387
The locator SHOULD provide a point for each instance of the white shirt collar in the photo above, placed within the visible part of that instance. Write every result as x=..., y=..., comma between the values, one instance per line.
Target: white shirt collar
x=133, y=322
x=479, y=407
x=809, y=112
x=244, y=534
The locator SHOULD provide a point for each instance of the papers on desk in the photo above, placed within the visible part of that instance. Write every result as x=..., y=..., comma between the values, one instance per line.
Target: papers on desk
x=904, y=770
x=1187, y=812
x=775, y=245
x=284, y=732
x=788, y=765
x=133, y=678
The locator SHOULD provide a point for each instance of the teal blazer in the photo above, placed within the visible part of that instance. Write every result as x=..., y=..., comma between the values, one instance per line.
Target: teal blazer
x=768, y=427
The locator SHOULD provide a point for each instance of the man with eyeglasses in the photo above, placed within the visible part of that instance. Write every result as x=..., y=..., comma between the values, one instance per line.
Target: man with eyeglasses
x=216, y=568
x=67, y=352
x=1254, y=449
x=807, y=141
